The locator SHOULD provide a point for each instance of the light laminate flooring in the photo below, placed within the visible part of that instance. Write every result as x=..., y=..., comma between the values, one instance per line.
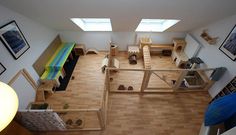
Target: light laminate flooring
x=132, y=114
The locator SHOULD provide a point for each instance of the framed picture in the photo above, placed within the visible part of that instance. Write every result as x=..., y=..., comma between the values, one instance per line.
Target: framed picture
x=2, y=68
x=12, y=37
x=228, y=47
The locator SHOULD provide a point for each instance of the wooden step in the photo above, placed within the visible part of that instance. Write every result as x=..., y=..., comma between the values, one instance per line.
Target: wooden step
x=40, y=97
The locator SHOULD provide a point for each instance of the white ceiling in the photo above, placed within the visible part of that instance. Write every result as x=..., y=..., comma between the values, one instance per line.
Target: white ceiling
x=125, y=14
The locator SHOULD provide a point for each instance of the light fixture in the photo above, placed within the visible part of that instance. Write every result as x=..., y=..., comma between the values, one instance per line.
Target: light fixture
x=8, y=103
x=93, y=24
x=155, y=25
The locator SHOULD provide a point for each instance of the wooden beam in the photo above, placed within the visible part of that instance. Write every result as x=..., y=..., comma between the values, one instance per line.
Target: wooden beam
x=106, y=108
x=163, y=79
x=156, y=88
x=146, y=78
x=27, y=77
x=107, y=79
x=158, y=91
x=82, y=129
x=179, y=80
x=161, y=69
x=75, y=110
x=125, y=91
x=162, y=46
x=101, y=119
x=209, y=84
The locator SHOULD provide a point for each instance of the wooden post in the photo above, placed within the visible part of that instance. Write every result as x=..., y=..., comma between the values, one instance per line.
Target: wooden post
x=27, y=76
x=107, y=79
x=146, y=78
x=106, y=108
x=180, y=79
x=209, y=84
x=101, y=119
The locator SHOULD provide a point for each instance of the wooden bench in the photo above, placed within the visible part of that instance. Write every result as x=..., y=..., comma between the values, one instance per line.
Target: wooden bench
x=54, y=67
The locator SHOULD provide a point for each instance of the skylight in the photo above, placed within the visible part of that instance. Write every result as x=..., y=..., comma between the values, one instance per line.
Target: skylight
x=93, y=24
x=155, y=25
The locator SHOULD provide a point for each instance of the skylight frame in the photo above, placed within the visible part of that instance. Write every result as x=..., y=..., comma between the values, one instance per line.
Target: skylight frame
x=155, y=25
x=93, y=24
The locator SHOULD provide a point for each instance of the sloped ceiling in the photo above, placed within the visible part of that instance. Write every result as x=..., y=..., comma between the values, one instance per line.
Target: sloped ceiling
x=125, y=14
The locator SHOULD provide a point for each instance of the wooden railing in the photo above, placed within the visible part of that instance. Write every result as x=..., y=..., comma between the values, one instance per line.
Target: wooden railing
x=174, y=87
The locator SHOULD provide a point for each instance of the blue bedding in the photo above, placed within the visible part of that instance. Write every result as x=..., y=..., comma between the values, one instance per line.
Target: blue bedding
x=220, y=110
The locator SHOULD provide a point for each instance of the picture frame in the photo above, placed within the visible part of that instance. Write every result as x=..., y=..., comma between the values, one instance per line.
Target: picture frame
x=13, y=39
x=2, y=68
x=228, y=47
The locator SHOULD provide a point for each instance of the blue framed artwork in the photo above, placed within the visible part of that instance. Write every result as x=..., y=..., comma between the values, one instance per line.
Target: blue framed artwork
x=228, y=47
x=13, y=39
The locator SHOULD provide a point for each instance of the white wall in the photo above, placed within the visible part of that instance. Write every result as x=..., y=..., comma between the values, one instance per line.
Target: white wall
x=38, y=37
x=100, y=40
x=211, y=54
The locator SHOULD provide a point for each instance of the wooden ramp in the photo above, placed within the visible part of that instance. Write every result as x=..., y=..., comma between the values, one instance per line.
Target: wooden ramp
x=146, y=57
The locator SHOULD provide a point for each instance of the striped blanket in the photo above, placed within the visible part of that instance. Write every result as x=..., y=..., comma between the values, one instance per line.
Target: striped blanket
x=59, y=58
x=55, y=64
x=50, y=74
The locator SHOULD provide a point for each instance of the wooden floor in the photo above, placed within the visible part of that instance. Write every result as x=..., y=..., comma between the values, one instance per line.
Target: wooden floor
x=134, y=78
x=156, y=114
x=131, y=114
x=86, y=89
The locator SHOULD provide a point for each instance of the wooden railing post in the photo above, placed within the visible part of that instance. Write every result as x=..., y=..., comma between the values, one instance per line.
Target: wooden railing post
x=180, y=79
x=107, y=79
x=100, y=118
x=146, y=78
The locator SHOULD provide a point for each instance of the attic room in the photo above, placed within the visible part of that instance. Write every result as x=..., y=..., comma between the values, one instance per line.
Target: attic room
x=117, y=67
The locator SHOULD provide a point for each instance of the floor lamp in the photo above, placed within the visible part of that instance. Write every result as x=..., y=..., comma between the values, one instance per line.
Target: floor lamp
x=8, y=103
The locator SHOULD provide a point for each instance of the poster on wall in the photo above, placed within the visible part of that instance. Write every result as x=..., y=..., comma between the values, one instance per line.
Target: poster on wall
x=2, y=68
x=13, y=39
x=228, y=47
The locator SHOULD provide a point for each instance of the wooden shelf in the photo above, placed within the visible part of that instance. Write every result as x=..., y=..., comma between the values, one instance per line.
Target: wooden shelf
x=162, y=46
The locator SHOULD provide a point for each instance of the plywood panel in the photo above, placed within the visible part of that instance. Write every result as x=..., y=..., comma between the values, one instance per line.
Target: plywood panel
x=46, y=55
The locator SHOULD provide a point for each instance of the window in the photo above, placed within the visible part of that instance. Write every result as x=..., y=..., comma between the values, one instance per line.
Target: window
x=93, y=24
x=155, y=25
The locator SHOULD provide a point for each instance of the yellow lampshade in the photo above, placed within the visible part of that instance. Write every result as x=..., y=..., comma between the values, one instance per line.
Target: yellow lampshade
x=8, y=105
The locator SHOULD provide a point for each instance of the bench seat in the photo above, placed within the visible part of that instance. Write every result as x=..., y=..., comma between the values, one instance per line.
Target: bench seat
x=52, y=75
x=54, y=67
x=59, y=58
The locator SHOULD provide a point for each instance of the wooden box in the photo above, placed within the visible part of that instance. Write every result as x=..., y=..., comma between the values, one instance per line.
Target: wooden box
x=79, y=49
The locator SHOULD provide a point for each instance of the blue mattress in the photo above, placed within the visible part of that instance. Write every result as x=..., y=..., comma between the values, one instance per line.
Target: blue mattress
x=220, y=110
